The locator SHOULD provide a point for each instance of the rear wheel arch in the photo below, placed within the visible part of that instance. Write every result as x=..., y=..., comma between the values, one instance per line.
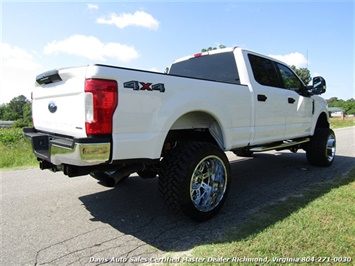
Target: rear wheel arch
x=196, y=126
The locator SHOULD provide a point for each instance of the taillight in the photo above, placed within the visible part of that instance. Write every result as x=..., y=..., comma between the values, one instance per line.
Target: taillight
x=101, y=98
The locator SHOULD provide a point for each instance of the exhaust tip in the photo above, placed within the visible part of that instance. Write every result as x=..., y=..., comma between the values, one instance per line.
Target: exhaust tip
x=110, y=182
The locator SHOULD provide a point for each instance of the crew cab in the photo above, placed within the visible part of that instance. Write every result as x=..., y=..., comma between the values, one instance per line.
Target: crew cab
x=110, y=122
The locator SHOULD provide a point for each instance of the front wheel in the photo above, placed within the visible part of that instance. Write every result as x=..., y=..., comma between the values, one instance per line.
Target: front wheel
x=321, y=149
x=195, y=178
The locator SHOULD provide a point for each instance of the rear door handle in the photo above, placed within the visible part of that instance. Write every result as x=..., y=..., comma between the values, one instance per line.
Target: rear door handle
x=262, y=98
x=291, y=100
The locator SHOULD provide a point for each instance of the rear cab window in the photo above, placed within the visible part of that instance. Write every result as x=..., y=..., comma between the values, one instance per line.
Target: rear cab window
x=216, y=67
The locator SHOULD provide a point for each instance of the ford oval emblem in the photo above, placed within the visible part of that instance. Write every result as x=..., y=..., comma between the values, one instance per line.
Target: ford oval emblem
x=52, y=107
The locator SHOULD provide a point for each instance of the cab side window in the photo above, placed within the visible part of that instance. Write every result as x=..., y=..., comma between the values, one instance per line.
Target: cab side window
x=264, y=71
x=289, y=79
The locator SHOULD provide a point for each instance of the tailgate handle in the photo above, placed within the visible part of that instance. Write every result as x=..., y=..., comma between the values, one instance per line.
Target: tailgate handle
x=48, y=77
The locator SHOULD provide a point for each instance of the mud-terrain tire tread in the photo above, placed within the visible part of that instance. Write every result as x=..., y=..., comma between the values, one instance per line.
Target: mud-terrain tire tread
x=176, y=168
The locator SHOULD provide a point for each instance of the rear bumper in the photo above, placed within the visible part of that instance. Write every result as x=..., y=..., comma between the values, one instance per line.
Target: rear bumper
x=60, y=150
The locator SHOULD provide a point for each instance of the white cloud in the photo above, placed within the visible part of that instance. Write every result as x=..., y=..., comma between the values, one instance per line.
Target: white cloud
x=92, y=48
x=296, y=59
x=153, y=69
x=12, y=56
x=18, y=72
x=93, y=6
x=139, y=18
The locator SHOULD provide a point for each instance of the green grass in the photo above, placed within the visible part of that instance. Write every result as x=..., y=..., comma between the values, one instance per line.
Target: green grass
x=10, y=135
x=318, y=224
x=15, y=151
x=16, y=155
x=339, y=123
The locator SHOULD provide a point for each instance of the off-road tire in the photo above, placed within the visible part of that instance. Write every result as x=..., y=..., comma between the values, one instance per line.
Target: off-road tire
x=194, y=179
x=321, y=149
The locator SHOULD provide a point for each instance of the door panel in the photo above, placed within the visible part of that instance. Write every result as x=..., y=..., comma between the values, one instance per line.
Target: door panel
x=270, y=114
x=270, y=101
x=299, y=108
x=299, y=115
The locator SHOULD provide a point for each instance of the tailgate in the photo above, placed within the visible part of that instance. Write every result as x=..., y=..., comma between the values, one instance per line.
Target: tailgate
x=59, y=102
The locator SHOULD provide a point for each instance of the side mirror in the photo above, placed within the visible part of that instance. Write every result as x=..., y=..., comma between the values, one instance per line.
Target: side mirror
x=319, y=86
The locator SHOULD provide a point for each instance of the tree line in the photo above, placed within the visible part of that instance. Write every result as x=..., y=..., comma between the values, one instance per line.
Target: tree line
x=348, y=106
x=19, y=110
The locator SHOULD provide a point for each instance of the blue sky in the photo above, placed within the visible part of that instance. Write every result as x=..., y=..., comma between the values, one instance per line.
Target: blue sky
x=40, y=36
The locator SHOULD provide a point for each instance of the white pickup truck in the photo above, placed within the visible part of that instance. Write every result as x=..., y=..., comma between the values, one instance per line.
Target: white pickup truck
x=110, y=122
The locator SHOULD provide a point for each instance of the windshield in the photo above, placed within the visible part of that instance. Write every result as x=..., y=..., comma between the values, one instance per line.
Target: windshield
x=217, y=67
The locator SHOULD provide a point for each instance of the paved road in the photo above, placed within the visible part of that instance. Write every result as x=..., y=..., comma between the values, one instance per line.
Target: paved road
x=50, y=219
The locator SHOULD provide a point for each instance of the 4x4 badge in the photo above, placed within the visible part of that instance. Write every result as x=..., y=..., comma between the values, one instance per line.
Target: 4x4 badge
x=142, y=86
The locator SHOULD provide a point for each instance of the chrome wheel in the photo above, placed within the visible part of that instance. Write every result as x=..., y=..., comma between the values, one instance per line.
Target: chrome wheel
x=208, y=183
x=195, y=179
x=331, y=147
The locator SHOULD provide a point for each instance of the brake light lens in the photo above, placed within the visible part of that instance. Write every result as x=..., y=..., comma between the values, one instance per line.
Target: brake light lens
x=101, y=98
